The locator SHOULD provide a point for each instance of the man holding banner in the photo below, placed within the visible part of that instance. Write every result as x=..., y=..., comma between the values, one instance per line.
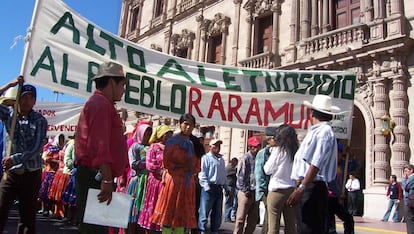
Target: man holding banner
x=100, y=146
x=23, y=162
x=314, y=166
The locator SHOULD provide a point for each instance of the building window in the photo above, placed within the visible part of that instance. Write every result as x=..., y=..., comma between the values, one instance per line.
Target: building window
x=134, y=19
x=215, y=50
x=347, y=13
x=159, y=7
x=263, y=34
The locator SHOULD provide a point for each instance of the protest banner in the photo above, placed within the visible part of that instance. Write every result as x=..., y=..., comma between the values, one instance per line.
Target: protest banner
x=64, y=51
x=61, y=117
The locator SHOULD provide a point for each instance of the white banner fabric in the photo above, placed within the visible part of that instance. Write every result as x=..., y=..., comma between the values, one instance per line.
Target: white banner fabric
x=65, y=50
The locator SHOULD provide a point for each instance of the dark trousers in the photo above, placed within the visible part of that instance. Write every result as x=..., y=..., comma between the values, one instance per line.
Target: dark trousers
x=409, y=219
x=85, y=179
x=313, y=213
x=24, y=187
x=353, y=203
x=335, y=208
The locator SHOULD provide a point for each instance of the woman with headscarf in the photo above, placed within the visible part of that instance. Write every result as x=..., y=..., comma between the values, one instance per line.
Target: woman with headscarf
x=175, y=208
x=51, y=160
x=60, y=181
x=137, y=183
x=154, y=181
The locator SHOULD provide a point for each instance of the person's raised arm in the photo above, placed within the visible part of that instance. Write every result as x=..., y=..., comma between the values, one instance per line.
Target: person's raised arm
x=11, y=84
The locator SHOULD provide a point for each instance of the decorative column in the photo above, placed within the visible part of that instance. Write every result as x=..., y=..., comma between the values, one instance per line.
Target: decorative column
x=167, y=38
x=379, y=9
x=172, y=9
x=368, y=11
x=305, y=19
x=396, y=7
x=249, y=34
x=235, y=46
x=124, y=18
x=203, y=41
x=293, y=23
x=399, y=114
x=381, y=148
x=276, y=9
x=291, y=50
x=224, y=33
x=315, y=17
x=198, y=41
x=326, y=26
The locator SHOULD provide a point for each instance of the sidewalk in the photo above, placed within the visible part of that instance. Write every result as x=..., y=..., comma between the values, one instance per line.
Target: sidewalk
x=362, y=226
x=375, y=226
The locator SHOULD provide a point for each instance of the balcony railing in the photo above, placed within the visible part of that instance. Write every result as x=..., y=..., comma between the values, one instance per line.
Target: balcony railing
x=186, y=4
x=351, y=37
x=263, y=60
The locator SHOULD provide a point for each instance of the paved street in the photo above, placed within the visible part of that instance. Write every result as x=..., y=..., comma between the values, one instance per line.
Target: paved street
x=44, y=225
x=362, y=226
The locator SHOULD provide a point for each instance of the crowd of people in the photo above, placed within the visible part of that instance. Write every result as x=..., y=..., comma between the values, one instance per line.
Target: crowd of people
x=175, y=184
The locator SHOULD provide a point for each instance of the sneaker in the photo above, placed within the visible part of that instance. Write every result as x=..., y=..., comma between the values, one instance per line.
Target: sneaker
x=383, y=220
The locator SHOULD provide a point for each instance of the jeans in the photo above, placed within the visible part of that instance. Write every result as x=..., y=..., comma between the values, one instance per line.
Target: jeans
x=24, y=187
x=391, y=203
x=230, y=205
x=211, y=201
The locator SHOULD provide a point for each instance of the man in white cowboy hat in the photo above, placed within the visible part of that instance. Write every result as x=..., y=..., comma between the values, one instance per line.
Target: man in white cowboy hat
x=100, y=146
x=314, y=166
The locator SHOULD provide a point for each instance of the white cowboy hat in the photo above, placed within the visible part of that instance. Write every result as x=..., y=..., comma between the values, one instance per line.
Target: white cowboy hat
x=323, y=103
x=10, y=94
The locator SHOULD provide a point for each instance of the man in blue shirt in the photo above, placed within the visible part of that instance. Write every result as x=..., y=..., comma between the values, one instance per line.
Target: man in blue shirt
x=23, y=165
x=314, y=166
x=212, y=179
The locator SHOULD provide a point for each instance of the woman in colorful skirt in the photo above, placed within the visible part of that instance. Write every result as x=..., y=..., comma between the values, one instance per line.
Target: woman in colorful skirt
x=51, y=161
x=68, y=195
x=175, y=208
x=137, y=183
x=60, y=181
x=154, y=180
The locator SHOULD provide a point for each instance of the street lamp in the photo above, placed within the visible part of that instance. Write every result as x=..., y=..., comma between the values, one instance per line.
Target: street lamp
x=387, y=125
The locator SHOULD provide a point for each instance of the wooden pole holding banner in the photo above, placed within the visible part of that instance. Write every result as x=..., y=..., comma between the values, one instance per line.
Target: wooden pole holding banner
x=345, y=172
x=13, y=126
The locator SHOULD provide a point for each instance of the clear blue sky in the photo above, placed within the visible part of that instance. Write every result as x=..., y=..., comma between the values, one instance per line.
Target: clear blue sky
x=15, y=17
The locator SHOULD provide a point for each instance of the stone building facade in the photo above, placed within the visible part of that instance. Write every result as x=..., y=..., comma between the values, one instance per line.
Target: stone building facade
x=372, y=38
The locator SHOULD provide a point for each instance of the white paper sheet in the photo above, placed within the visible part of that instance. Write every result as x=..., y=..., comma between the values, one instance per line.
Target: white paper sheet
x=115, y=214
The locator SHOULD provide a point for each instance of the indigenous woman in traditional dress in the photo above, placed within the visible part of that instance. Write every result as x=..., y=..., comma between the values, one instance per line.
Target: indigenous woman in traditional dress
x=60, y=181
x=154, y=181
x=175, y=208
x=69, y=196
x=137, y=183
x=51, y=165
